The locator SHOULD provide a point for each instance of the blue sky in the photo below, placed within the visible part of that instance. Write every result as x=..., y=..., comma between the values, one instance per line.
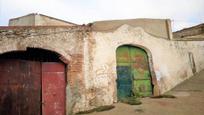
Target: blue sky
x=183, y=13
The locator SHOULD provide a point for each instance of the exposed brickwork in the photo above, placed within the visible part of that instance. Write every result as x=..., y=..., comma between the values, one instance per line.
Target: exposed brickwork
x=75, y=68
x=66, y=41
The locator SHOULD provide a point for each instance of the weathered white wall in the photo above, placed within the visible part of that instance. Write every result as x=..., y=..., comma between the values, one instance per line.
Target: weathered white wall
x=92, y=58
x=170, y=61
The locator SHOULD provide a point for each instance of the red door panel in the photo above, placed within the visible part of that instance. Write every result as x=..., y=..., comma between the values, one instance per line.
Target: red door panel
x=20, y=87
x=53, y=88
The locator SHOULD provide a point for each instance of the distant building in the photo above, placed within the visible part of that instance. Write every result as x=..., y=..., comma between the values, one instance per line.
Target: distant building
x=35, y=19
x=191, y=33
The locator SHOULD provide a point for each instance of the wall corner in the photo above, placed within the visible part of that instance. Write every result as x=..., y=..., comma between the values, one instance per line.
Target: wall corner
x=169, y=29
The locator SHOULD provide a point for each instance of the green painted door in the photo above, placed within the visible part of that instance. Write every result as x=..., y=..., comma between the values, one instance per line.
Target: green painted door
x=142, y=85
x=124, y=78
x=133, y=76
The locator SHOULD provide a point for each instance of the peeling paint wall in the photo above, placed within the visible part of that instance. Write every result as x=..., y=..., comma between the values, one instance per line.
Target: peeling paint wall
x=170, y=59
x=155, y=27
x=91, y=58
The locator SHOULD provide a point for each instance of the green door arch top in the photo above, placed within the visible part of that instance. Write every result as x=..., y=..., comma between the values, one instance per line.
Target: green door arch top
x=133, y=75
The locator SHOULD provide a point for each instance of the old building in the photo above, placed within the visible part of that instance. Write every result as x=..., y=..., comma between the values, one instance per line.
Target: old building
x=66, y=69
x=192, y=33
x=35, y=19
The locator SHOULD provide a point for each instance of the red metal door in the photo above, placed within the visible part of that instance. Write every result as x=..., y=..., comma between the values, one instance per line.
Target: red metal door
x=53, y=88
x=20, y=87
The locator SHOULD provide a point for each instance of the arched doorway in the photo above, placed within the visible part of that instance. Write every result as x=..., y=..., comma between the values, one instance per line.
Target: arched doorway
x=32, y=82
x=133, y=73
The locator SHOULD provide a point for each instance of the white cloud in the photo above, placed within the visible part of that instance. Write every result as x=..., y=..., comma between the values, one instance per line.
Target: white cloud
x=183, y=12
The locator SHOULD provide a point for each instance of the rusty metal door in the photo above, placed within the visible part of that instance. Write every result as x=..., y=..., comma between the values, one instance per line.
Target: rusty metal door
x=133, y=75
x=124, y=78
x=140, y=71
x=20, y=87
x=53, y=88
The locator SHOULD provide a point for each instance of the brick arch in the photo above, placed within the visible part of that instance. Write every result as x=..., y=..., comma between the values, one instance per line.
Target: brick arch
x=63, y=57
x=156, y=90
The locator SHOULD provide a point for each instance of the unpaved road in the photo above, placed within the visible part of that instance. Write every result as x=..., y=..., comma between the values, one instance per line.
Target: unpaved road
x=189, y=101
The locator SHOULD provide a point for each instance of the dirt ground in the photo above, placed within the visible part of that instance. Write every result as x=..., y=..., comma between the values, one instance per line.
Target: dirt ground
x=189, y=101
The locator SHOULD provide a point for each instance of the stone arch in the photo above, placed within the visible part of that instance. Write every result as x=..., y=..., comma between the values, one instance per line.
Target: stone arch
x=156, y=90
x=63, y=56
